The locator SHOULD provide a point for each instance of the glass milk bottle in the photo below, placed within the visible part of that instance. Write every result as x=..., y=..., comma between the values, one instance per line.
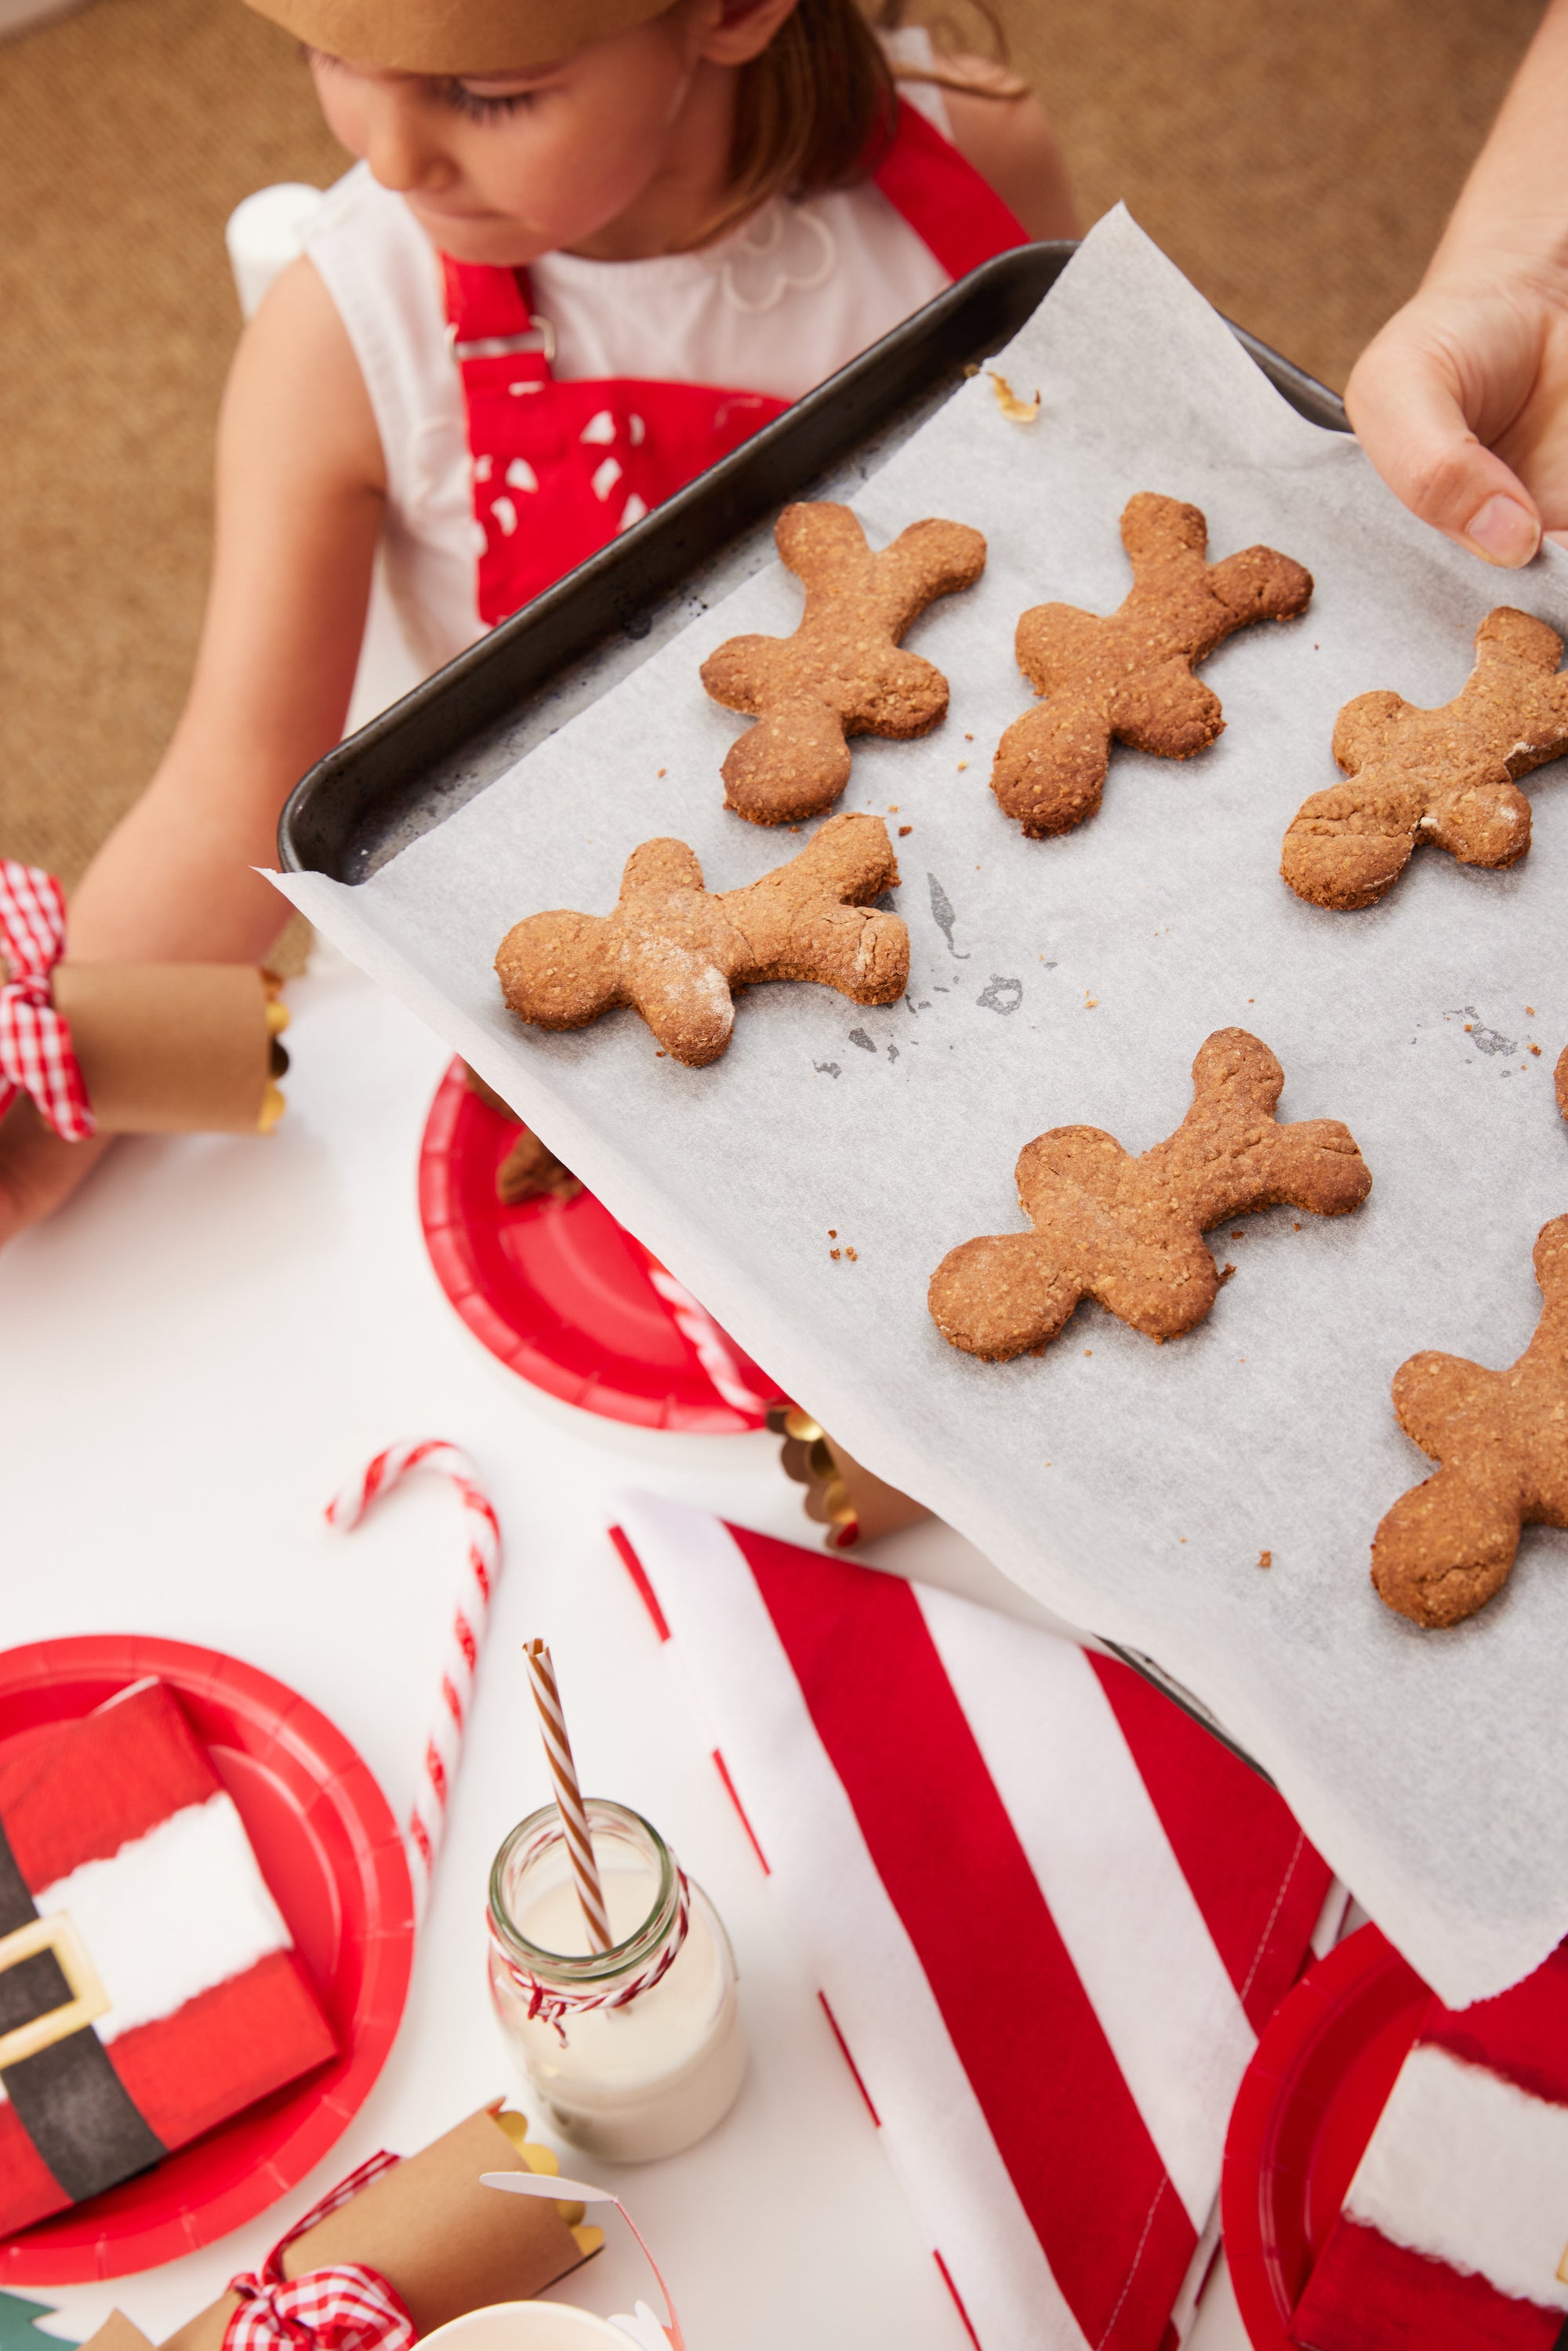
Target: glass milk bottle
x=637, y=2050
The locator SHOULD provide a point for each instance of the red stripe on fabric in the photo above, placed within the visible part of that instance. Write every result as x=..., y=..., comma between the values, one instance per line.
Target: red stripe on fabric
x=957, y=214
x=1522, y=2033
x=1369, y=2294
x=849, y=2060
x=639, y=1575
x=1259, y=1884
x=82, y=1789
x=740, y=1808
x=224, y=2049
x=957, y=2297
x=1020, y=2021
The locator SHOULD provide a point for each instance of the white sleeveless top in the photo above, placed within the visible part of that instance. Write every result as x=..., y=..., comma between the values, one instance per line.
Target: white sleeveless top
x=792, y=295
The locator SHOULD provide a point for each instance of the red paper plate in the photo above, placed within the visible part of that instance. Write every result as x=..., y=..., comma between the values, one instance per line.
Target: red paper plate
x=564, y=1295
x=331, y=1854
x=1320, y=2078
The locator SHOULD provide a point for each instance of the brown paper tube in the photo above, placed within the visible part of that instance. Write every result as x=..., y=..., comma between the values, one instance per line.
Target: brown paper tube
x=117, y=2333
x=444, y=2242
x=171, y=1048
x=455, y=36
x=840, y=1495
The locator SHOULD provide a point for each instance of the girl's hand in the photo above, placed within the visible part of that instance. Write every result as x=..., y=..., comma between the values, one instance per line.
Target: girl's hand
x=37, y=1171
x=1461, y=402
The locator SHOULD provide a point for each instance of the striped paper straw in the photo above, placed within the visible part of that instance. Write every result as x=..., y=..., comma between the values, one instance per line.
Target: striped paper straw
x=568, y=1796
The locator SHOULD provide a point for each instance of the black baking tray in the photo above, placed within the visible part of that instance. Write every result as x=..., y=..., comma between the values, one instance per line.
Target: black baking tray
x=420, y=760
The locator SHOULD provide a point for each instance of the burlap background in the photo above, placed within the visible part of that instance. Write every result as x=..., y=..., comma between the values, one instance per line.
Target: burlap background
x=1298, y=163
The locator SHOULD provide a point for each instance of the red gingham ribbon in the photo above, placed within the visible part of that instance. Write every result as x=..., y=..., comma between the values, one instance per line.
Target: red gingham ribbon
x=37, y=1056
x=347, y=2308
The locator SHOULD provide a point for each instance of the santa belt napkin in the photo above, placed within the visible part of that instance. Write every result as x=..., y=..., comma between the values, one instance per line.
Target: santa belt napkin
x=67, y=2095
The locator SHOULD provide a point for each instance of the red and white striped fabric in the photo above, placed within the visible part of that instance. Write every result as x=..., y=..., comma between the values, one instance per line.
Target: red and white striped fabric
x=1454, y=2234
x=118, y=1820
x=1047, y=1913
x=37, y=1056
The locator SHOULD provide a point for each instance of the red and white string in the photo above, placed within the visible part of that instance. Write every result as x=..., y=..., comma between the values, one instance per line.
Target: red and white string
x=348, y=2307
x=555, y=2001
x=573, y=1812
x=443, y=1745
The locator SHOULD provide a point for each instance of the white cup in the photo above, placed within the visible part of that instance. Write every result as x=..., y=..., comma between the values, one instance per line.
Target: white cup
x=529, y=2326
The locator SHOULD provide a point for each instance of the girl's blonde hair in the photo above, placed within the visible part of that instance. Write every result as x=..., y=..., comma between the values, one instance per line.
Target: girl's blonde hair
x=817, y=109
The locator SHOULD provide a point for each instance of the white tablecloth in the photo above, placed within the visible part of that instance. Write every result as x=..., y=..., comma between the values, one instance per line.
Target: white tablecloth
x=193, y=1357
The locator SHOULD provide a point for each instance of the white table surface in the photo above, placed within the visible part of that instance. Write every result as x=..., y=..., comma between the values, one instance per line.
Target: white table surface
x=210, y=1340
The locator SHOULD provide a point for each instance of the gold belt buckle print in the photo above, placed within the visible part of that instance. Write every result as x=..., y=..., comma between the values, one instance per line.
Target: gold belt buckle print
x=88, y=2000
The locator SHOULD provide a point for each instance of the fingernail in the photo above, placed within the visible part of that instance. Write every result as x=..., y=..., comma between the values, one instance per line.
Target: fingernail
x=1504, y=532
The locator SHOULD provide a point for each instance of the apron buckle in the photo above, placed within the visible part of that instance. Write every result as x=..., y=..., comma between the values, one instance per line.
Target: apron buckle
x=539, y=338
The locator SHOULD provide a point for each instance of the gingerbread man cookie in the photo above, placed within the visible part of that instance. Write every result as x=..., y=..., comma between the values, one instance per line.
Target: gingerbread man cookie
x=674, y=953
x=1130, y=1231
x=843, y=672
x=1445, y=776
x=1128, y=678
x=1502, y=1440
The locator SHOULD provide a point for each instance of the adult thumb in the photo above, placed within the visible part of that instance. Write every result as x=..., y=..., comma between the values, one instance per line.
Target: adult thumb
x=1408, y=418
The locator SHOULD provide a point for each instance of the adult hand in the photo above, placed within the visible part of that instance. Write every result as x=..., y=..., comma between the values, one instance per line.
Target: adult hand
x=1461, y=402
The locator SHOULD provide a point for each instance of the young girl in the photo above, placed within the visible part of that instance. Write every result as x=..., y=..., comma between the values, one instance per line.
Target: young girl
x=591, y=246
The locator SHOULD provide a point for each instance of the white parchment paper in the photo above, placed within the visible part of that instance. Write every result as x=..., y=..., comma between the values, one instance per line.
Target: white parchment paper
x=1131, y=1487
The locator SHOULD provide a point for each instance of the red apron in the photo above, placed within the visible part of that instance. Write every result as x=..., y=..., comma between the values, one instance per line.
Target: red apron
x=560, y=468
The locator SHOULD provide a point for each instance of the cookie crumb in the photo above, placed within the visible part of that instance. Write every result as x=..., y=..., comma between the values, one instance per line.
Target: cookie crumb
x=660, y=1055
x=1530, y=1011
x=1295, y=1228
x=962, y=764
x=1016, y=410
x=664, y=771
x=1226, y=1271
x=1535, y=1049
x=1265, y=1559
x=835, y=1255
x=969, y=739
x=851, y=1256
x=1469, y=1026
x=971, y=367
x=1181, y=1538
x=1238, y=1236
x=1089, y=1002
x=833, y=1232
x=892, y=808
x=1089, y=1351
x=904, y=829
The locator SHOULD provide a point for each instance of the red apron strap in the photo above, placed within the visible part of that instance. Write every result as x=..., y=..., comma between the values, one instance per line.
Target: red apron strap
x=488, y=318
x=952, y=210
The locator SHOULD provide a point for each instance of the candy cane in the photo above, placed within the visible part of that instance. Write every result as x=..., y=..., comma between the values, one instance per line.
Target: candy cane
x=427, y=1818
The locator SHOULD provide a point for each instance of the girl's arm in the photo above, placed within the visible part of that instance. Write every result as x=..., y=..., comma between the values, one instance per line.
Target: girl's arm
x=1011, y=144
x=299, y=493
x=300, y=486
x=1462, y=401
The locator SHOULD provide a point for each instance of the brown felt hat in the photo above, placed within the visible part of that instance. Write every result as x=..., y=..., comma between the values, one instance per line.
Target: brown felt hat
x=456, y=36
